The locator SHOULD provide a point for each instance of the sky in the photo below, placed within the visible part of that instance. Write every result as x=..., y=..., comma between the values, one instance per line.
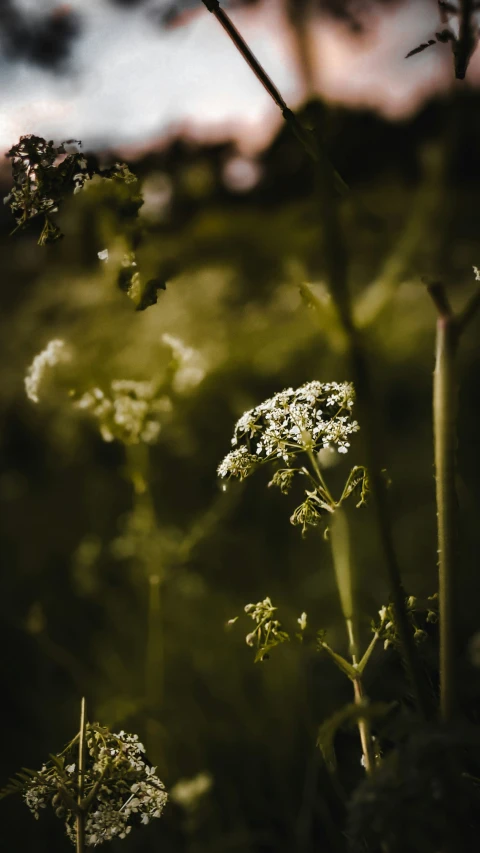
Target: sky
x=132, y=85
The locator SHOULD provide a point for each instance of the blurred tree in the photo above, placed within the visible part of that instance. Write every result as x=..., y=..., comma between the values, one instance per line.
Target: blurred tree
x=43, y=39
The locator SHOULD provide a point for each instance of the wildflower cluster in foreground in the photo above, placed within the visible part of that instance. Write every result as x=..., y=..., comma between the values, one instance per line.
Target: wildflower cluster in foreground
x=315, y=416
x=298, y=424
x=120, y=788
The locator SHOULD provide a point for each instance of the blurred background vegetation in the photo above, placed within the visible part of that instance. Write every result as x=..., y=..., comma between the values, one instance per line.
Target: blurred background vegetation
x=125, y=596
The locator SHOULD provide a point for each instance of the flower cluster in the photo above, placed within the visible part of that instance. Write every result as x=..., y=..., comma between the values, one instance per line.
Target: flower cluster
x=188, y=793
x=54, y=353
x=44, y=173
x=268, y=632
x=120, y=788
x=418, y=613
x=315, y=416
x=130, y=412
x=314, y=419
x=40, y=181
x=187, y=364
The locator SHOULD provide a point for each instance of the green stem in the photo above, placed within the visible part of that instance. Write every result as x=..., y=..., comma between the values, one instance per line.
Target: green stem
x=364, y=730
x=154, y=657
x=444, y=416
x=316, y=467
x=82, y=752
x=340, y=545
x=449, y=330
x=150, y=563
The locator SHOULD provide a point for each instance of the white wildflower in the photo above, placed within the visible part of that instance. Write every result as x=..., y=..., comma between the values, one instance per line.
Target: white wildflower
x=316, y=416
x=188, y=792
x=302, y=621
x=311, y=420
x=190, y=369
x=103, y=255
x=125, y=787
x=239, y=463
x=54, y=353
x=131, y=411
x=268, y=631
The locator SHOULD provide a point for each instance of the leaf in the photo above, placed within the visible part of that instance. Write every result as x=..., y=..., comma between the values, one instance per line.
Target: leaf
x=58, y=762
x=349, y=714
x=366, y=656
x=149, y=294
x=420, y=48
x=357, y=481
x=263, y=651
x=20, y=782
x=13, y=786
x=343, y=665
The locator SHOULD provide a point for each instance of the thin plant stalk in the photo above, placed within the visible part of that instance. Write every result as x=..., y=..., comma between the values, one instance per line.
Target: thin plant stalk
x=82, y=753
x=444, y=411
x=154, y=657
x=311, y=145
x=449, y=329
x=340, y=545
x=139, y=470
x=330, y=186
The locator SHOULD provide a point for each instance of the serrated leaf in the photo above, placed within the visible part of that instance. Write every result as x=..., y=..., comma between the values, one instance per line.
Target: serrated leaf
x=58, y=762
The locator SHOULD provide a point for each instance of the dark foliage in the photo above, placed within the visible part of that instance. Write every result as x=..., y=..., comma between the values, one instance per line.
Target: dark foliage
x=424, y=797
x=44, y=173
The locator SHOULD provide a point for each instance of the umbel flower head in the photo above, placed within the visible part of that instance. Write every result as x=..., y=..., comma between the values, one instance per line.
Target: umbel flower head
x=54, y=353
x=127, y=410
x=130, y=412
x=120, y=788
x=315, y=416
x=291, y=428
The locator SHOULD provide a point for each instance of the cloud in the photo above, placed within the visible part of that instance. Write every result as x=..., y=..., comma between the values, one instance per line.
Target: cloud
x=132, y=83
